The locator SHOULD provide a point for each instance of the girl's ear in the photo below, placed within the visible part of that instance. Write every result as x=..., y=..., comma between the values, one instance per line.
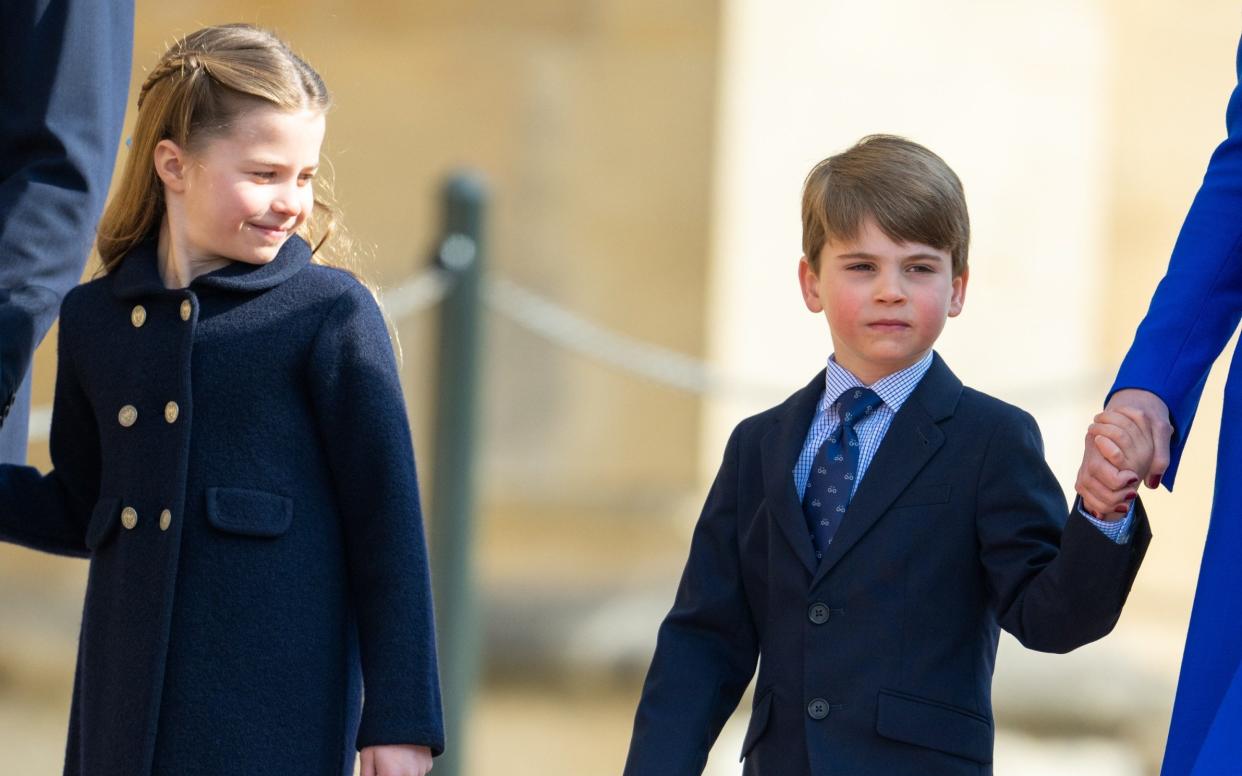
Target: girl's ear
x=170, y=164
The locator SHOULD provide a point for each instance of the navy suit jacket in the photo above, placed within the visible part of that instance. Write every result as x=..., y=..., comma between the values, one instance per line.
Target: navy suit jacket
x=879, y=658
x=64, y=76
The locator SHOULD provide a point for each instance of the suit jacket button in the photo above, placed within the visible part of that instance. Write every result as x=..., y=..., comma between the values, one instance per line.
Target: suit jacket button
x=817, y=708
x=186, y=309
x=818, y=613
x=165, y=520
x=129, y=517
x=171, y=410
x=138, y=316
x=128, y=415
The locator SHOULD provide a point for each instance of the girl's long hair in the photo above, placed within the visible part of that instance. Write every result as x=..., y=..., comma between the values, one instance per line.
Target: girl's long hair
x=196, y=91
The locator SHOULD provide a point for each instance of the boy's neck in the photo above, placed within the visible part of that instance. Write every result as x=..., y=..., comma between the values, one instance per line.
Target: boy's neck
x=869, y=373
x=178, y=267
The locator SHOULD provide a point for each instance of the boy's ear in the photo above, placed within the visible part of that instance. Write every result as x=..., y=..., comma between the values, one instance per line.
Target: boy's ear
x=808, y=280
x=958, y=298
x=170, y=164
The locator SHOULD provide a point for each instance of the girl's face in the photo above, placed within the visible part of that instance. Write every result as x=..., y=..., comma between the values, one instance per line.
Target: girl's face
x=247, y=191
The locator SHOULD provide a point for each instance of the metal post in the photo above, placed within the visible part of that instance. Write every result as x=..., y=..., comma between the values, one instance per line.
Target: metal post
x=460, y=254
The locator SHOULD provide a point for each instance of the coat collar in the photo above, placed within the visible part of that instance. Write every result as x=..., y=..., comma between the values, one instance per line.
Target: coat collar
x=911, y=441
x=139, y=273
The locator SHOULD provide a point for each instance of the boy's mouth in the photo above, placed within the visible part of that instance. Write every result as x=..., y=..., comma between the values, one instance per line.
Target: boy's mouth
x=888, y=325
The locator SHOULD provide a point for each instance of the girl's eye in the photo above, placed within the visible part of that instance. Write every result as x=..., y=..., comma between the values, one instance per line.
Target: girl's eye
x=306, y=177
x=267, y=176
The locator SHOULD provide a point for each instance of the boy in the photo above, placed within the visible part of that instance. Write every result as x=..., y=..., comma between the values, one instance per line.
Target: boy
x=878, y=626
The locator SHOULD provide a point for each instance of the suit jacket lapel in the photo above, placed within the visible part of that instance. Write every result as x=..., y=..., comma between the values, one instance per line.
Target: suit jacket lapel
x=780, y=448
x=911, y=441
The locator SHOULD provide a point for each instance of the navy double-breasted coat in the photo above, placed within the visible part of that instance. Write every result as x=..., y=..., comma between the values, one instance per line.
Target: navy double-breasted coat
x=235, y=459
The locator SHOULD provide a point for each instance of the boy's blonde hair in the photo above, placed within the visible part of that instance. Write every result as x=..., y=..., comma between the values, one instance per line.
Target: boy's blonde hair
x=195, y=92
x=910, y=192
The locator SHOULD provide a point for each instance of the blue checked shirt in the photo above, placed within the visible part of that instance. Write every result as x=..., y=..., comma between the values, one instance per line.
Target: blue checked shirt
x=894, y=390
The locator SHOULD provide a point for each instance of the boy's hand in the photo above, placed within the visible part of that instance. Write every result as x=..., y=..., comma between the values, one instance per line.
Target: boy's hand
x=1130, y=441
x=396, y=760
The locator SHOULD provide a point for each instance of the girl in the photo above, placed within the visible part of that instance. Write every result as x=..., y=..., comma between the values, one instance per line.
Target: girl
x=231, y=450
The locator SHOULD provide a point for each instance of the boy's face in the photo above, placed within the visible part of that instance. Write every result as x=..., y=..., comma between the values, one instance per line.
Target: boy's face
x=886, y=302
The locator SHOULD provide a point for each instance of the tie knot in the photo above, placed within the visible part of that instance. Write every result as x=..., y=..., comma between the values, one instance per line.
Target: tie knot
x=857, y=403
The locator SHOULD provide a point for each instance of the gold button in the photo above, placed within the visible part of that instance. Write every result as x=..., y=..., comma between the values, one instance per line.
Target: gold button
x=165, y=520
x=129, y=517
x=171, y=410
x=138, y=316
x=186, y=309
x=128, y=415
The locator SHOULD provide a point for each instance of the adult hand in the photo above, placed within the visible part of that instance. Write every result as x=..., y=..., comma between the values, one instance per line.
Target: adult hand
x=396, y=760
x=1104, y=483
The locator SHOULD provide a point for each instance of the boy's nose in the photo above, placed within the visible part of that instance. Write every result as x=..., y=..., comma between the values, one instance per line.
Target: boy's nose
x=888, y=288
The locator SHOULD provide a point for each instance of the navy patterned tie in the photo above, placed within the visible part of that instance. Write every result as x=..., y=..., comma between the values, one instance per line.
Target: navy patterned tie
x=831, y=484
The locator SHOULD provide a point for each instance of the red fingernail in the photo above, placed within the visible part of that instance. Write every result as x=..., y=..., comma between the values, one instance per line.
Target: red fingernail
x=1132, y=481
x=1131, y=496
x=1153, y=482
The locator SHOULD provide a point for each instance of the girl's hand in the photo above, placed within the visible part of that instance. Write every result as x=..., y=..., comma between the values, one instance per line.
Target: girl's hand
x=396, y=760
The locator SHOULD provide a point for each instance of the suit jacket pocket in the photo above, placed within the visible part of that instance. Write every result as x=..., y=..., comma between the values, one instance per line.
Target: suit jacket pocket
x=934, y=725
x=758, y=723
x=923, y=495
x=103, y=521
x=249, y=512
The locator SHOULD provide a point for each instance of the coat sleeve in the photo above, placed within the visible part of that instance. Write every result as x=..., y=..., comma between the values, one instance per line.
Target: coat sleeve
x=1056, y=583
x=1196, y=307
x=707, y=646
x=361, y=415
x=49, y=512
x=64, y=77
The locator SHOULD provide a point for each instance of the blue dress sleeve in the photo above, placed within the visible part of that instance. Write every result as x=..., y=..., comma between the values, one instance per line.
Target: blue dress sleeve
x=1196, y=307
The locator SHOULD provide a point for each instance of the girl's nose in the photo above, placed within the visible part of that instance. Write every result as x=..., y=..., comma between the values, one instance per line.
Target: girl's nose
x=287, y=201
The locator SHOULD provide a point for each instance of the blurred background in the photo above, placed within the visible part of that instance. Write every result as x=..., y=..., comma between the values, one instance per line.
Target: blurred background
x=643, y=162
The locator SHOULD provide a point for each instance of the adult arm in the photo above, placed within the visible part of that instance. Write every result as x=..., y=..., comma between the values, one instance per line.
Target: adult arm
x=64, y=77
x=1197, y=304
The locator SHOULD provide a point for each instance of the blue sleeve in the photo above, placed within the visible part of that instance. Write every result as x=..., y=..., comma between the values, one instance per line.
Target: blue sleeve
x=1117, y=530
x=707, y=646
x=64, y=78
x=1197, y=305
x=360, y=410
x=49, y=512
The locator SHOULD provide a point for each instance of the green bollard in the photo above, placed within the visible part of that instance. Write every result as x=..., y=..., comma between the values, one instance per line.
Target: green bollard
x=460, y=254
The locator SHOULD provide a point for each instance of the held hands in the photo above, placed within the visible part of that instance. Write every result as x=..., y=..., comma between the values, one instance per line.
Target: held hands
x=396, y=760
x=1128, y=442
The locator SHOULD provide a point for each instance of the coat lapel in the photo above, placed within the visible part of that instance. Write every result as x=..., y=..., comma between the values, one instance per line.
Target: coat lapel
x=780, y=448
x=911, y=441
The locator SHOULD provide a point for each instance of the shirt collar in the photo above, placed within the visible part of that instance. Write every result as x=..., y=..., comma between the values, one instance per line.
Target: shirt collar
x=893, y=389
x=139, y=274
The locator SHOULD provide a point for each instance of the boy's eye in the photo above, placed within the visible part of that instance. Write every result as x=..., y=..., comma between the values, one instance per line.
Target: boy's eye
x=859, y=267
x=921, y=268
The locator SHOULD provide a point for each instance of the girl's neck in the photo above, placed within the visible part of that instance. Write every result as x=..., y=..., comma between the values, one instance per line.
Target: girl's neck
x=178, y=266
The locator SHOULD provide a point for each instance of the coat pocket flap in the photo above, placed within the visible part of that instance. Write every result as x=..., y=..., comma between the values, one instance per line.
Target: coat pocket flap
x=924, y=495
x=934, y=725
x=103, y=521
x=758, y=723
x=249, y=512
